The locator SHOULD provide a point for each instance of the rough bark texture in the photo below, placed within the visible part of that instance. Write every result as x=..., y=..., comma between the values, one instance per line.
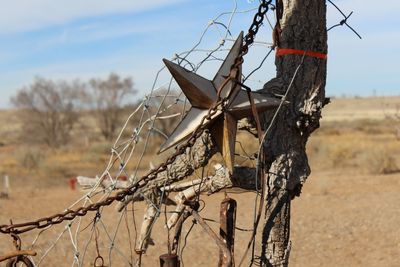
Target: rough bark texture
x=303, y=27
x=184, y=166
x=286, y=165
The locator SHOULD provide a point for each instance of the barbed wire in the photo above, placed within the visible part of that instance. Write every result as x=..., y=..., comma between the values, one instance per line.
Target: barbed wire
x=122, y=153
x=155, y=106
x=343, y=21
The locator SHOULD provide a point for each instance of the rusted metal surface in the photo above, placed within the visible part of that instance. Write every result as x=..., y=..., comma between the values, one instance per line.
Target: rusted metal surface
x=178, y=230
x=17, y=253
x=99, y=262
x=220, y=243
x=202, y=93
x=257, y=22
x=69, y=215
x=169, y=260
x=227, y=230
x=18, y=260
x=18, y=256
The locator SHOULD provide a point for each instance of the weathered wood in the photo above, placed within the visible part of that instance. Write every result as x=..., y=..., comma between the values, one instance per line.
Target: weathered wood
x=144, y=239
x=212, y=184
x=180, y=199
x=5, y=193
x=181, y=186
x=286, y=165
x=303, y=27
x=17, y=253
x=178, y=231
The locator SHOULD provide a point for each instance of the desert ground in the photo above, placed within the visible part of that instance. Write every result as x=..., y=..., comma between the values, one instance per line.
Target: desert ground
x=347, y=214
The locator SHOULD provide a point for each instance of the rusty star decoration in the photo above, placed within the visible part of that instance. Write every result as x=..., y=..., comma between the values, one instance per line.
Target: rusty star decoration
x=202, y=94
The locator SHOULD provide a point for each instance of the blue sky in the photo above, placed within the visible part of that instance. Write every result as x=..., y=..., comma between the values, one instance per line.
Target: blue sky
x=67, y=39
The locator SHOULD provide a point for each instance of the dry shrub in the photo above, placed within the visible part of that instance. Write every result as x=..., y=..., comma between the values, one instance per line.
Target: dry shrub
x=341, y=155
x=363, y=145
x=67, y=163
x=48, y=111
x=55, y=171
x=378, y=161
x=368, y=126
x=100, y=148
x=326, y=154
x=30, y=158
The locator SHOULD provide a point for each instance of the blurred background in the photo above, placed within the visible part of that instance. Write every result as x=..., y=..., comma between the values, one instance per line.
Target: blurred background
x=71, y=72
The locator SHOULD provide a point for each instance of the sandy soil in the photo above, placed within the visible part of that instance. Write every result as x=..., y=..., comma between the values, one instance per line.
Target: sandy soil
x=371, y=108
x=341, y=218
x=338, y=220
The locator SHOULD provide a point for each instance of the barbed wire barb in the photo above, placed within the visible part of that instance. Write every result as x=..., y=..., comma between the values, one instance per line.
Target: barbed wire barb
x=129, y=153
x=343, y=21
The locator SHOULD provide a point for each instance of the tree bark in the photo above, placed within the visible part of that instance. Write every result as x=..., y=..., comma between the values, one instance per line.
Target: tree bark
x=302, y=79
x=303, y=27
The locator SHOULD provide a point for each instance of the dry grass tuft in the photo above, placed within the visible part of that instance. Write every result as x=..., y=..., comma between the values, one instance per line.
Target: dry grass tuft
x=363, y=146
x=356, y=144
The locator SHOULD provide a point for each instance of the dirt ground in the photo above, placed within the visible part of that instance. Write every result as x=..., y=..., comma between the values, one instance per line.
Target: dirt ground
x=339, y=220
x=345, y=216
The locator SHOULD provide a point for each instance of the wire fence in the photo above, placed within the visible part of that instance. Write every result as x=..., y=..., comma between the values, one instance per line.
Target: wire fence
x=110, y=237
x=106, y=236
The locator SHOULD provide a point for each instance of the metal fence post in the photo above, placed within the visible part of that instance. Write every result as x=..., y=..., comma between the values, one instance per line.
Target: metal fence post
x=227, y=229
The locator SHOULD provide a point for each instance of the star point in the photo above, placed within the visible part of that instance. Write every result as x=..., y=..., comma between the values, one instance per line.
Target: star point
x=202, y=94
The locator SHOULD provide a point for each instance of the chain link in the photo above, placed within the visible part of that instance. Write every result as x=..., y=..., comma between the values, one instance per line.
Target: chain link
x=257, y=22
x=69, y=215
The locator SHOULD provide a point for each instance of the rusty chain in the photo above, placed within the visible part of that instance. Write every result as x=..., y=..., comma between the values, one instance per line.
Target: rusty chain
x=255, y=26
x=69, y=215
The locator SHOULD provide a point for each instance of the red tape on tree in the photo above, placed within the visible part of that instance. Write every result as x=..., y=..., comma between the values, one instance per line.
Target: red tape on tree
x=288, y=51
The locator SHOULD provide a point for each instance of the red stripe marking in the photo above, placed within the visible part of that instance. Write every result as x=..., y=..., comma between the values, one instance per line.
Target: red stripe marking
x=288, y=51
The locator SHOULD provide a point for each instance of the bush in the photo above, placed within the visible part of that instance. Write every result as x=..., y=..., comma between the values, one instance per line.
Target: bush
x=30, y=159
x=378, y=161
x=47, y=111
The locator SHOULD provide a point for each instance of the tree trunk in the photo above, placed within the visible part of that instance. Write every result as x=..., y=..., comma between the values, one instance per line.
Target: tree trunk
x=303, y=27
x=302, y=79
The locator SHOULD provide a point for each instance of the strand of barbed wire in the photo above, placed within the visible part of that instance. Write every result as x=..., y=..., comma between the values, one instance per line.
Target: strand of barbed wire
x=125, y=153
x=260, y=148
x=250, y=74
x=343, y=21
x=192, y=50
x=131, y=143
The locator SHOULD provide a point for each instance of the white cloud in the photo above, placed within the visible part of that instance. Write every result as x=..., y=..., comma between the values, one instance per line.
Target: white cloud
x=24, y=15
x=95, y=32
x=125, y=63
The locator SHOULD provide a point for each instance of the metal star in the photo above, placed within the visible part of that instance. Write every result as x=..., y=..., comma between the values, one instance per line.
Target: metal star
x=202, y=93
